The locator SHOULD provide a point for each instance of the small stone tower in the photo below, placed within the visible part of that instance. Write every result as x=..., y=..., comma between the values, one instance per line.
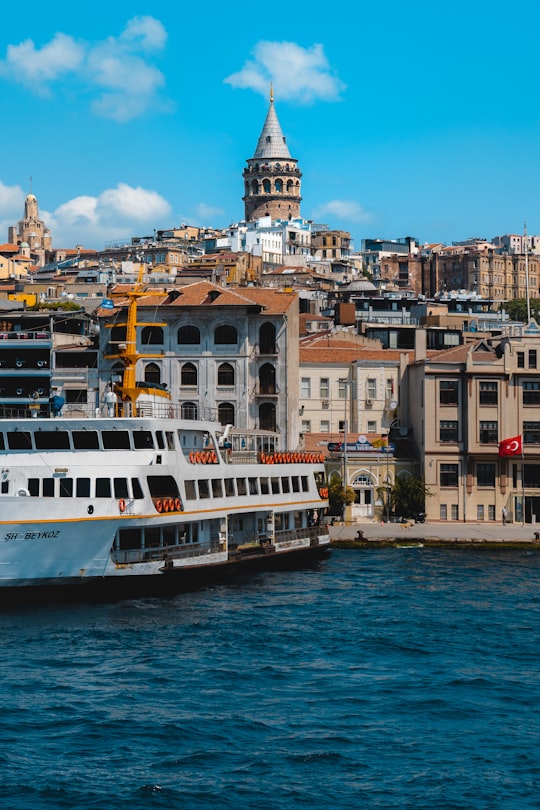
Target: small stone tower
x=272, y=176
x=31, y=231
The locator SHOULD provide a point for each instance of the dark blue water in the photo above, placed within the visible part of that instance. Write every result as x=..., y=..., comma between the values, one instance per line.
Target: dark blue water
x=392, y=678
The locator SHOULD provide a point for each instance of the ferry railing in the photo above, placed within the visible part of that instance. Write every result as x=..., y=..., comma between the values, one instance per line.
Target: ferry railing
x=136, y=555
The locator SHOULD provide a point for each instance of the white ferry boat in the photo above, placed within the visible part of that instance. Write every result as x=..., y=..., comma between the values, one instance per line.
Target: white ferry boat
x=103, y=500
x=141, y=500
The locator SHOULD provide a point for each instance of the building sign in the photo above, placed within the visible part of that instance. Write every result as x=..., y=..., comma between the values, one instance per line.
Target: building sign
x=362, y=445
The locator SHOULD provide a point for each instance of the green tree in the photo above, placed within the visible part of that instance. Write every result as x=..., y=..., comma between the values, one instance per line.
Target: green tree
x=517, y=308
x=338, y=496
x=408, y=496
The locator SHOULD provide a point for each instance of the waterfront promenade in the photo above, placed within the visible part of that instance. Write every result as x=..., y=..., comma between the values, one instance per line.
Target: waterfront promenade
x=434, y=534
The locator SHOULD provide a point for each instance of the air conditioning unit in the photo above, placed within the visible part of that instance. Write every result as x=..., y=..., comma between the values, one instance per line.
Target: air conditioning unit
x=325, y=403
x=369, y=403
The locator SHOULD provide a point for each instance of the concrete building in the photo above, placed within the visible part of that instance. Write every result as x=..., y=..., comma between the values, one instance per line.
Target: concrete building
x=224, y=354
x=461, y=403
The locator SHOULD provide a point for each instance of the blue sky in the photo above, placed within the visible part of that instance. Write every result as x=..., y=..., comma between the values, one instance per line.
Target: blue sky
x=406, y=118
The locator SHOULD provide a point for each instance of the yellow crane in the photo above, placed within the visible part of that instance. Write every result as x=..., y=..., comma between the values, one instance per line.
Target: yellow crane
x=128, y=391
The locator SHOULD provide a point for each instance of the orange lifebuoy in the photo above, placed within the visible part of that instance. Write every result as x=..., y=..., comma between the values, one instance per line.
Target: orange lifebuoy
x=192, y=457
x=262, y=458
x=178, y=504
x=198, y=458
x=159, y=506
x=122, y=505
x=214, y=457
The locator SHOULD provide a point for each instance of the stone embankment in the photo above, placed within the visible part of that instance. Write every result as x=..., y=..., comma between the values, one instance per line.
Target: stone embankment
x=450, y=534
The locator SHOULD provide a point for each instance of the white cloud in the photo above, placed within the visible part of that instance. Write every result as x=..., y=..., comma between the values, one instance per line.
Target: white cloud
x=299, y=74
x=116, y=67
x=206, y=213
x=11, y=202
x=117, y=213
x=347, y=210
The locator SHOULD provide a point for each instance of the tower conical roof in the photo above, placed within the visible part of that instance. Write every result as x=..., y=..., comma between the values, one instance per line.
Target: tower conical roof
x=271, y=143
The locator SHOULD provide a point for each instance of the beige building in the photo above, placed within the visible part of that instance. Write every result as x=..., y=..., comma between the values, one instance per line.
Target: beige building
x=461, y=403
x=31, y=233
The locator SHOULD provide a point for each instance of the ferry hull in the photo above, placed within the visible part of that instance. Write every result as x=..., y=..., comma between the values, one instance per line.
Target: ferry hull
x=165, y=583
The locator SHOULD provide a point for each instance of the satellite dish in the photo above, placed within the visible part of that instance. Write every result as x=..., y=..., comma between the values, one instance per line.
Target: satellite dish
x=393, y=405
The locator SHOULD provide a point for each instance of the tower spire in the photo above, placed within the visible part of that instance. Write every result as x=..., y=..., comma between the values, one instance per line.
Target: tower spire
x=271, y=93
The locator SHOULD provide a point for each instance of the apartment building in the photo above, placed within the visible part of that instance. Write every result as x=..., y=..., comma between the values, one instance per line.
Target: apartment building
x=462, y=403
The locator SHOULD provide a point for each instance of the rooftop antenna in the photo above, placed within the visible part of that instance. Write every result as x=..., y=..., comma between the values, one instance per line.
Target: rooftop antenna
x=526, y=240
x=271, y=93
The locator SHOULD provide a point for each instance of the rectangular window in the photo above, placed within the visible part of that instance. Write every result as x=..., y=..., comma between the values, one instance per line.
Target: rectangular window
x=488, y=393
x=305, y=388
x=443, y=511
x=531, y=392
x=448, y=392
x=532, y=358
x=389, y=390
x=325, y=426
x=480, y=511
x=324, y=388
x=66, y=487
x=83, y=488
x=371, y=388
x=491, y=511
x=342, y=389
x=455, y=511
x=485, y=475
x=190, y=490
x=521, y=359
x=48, y=487
x=448, y=431
x=306, y=426
x=489, y=433
x=120, y=488
x=531, y=432
x=372, y=427
x=217, y=489
x=204, y=488
x=103, y=488
x=449, y=475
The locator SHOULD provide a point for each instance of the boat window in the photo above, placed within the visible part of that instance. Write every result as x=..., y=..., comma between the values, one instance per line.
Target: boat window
x=204, y=489
x=83, y=488
x=152, y=537
x=160, y=442
x=66, y=487
x=217, y=488
x=241, y=486
x=190, y=490
x=116, y=440
x=298, y=520
x=103, y=488
x=33, y=487
x=19, y=440
x=169, y=535
x=129, y=538
x=48, y=487
x=275, y=485
x=305, y=484
x=121, y=488
x=2, y=444
x=295, y=483
x=85, y=440
x=229, y=488
x=253, y=486
x=137, y=489
x=4, y=488
x=162, y=486
x=265, y=489
x=143, y=440
x=169, y=435
x=285, y=485
x=51, y=440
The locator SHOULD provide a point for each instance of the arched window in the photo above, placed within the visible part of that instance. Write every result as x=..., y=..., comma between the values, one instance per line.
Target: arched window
x=226, y=413
x=267, y=379
x=254, y=187
x=225, y=335
x=266, y=186
x=267, y=339
x=117, y=372
x=225, y=374
x=152, y=373
x=290, y=186
x=118, y=334
x=151, y=335
x=189, y=410
x=279, y=186
x=267, y=416
x=189, y=335
x=188, y=374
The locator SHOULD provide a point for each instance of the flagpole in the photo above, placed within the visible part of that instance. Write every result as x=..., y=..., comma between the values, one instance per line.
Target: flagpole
x=523, y=485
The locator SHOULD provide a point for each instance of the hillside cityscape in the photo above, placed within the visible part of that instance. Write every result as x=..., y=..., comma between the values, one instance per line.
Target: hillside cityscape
x=408, y=365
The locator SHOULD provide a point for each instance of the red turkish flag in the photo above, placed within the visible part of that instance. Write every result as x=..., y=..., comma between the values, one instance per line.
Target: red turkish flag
x=511, y=447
